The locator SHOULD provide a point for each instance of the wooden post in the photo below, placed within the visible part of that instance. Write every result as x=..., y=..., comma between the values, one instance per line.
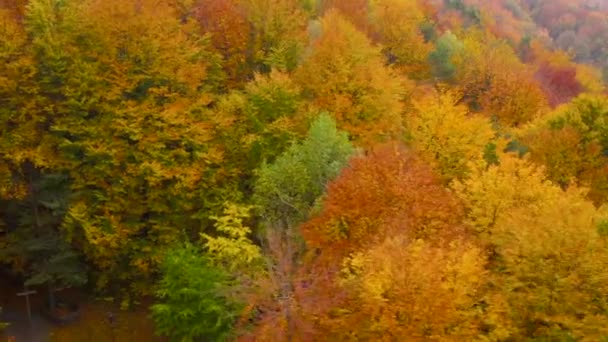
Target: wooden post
x=26, y=293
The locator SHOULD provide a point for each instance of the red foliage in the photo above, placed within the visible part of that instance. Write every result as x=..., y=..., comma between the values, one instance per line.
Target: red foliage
x=559, y=83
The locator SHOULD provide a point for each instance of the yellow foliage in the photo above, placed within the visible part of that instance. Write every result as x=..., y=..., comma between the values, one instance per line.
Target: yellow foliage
x=21, y=120
x=397, y=22
x=569, y=143
x=165, y=52
x=554, y=267
x=415, y=289
x=346, y=76
x=493, y=191
x=279, y=32
x=448, y=135
x=235, y=250
x=590, y=78
x=550, y=264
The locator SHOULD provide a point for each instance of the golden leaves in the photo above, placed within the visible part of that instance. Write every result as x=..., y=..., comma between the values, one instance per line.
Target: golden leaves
x=346, y=76
x=447, y=134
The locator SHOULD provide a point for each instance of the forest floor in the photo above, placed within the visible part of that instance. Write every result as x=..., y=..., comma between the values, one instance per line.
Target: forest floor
x=130, y=326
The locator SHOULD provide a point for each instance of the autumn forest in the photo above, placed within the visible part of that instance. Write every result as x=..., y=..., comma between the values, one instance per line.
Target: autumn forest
x=310, y=170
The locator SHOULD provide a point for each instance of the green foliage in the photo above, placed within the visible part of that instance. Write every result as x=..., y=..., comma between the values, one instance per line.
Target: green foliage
x=489, y=154
x=130, y=127
x=286, y=190
x=192, y=301
x=441, y=58
x=571, y=143
x=47, y=255
x=54, y=262
x=587, y=114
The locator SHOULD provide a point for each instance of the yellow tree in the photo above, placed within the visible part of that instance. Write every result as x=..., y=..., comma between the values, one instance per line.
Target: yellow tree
x=278, y=33
x=345, y=75
x=127, y=84
x=22, y=123
x=414, y=288
x=492, y=191
x=549, y=261
x=552, y=268
x=396, y=24
x=447, y=134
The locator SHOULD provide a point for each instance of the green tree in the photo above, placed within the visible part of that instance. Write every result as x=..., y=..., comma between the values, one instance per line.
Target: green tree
x=271, y=117
x=286, y=190
x=36, y=248
x=194, y=304
x=441, y=58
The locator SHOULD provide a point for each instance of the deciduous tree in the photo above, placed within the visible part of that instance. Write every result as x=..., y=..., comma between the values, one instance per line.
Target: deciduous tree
x=389, y=185
x=397, y=26
x=345, y=75
x=414, y=289
x=570, y=143
x=446, y=134
x=278, y=29
x=287, y=189
x=545, y=243
x=125, y=83
x=493, y=80
x=226, y=22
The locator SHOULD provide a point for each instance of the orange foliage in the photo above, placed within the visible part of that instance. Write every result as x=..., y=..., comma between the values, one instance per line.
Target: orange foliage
x=388, y=189
x=356, y=11
x=365, y=246
x=225, y=21
x=346, y=76
x=413, y=288
x=492, y=77
x=15, y=7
